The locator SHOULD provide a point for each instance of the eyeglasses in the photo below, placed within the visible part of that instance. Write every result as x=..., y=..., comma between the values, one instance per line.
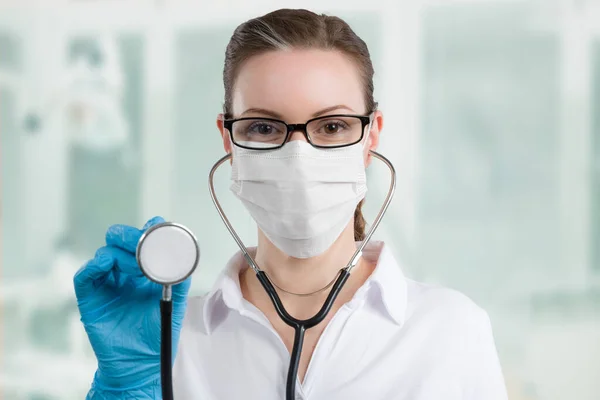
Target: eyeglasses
x=330, y=131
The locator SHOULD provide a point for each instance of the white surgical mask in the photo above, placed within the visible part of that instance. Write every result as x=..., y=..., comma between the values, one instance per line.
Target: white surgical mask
x=301, y=197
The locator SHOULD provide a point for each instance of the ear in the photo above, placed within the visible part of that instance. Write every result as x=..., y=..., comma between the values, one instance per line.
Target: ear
x=373, y=139
x=224, y=133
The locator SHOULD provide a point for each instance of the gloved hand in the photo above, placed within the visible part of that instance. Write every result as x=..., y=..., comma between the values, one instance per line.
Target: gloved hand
x=120, y=310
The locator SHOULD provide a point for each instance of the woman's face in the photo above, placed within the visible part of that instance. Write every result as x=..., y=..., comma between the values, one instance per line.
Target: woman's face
x=297, y=85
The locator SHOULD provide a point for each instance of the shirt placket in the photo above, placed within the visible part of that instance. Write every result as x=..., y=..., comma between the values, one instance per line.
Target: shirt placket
x=322, y=349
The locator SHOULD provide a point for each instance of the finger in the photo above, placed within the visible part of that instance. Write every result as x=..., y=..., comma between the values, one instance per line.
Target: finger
x=180, y=291
x=127, y=237
x=153, y=221
x=93, y=270
x=123, y=260
x=123, y=237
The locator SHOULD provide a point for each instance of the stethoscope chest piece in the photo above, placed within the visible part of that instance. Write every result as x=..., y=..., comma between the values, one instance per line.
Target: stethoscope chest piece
x=168, y=253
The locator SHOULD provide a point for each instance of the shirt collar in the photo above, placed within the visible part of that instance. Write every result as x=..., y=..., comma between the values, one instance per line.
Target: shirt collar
x=386, y=286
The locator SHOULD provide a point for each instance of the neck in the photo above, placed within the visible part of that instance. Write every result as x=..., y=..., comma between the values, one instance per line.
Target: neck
x=306, y=275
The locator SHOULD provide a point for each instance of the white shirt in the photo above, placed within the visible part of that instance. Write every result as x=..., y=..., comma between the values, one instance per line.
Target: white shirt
x=395, y=340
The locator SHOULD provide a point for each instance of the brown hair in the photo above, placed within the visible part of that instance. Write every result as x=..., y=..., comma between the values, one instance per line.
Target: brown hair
x=301, y=29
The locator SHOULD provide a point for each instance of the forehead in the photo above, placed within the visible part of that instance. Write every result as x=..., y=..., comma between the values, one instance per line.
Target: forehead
x=297, y=83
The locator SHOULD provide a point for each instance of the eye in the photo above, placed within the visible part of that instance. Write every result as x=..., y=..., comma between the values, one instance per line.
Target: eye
x=262, y=128
x=332, y=127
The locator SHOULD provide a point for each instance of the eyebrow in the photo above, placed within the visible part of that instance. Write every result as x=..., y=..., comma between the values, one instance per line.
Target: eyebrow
x=275, y=115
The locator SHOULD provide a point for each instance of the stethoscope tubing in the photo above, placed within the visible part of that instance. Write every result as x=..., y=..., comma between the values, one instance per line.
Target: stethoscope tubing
x=166, y=369
x=300, y=326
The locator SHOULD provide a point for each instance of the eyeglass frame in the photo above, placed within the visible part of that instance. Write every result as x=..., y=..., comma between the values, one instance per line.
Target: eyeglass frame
x=364, y=119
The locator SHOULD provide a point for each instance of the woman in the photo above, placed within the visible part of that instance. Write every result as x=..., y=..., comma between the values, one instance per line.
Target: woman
x=386, y=337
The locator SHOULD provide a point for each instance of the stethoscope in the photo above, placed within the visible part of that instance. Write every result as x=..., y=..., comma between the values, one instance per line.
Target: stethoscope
x=168, y=253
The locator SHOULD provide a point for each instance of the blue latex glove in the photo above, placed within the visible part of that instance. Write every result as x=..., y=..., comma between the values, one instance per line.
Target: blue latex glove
x=120, y=310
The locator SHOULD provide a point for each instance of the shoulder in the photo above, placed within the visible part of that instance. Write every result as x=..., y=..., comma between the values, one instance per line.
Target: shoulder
x=447, y=322
x=444, y=307
x=456, y=337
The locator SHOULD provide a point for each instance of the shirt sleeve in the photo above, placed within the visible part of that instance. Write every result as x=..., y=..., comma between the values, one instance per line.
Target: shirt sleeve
x=485, y=380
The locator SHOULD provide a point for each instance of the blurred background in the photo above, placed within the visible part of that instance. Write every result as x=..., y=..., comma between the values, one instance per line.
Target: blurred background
x=107, y=115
